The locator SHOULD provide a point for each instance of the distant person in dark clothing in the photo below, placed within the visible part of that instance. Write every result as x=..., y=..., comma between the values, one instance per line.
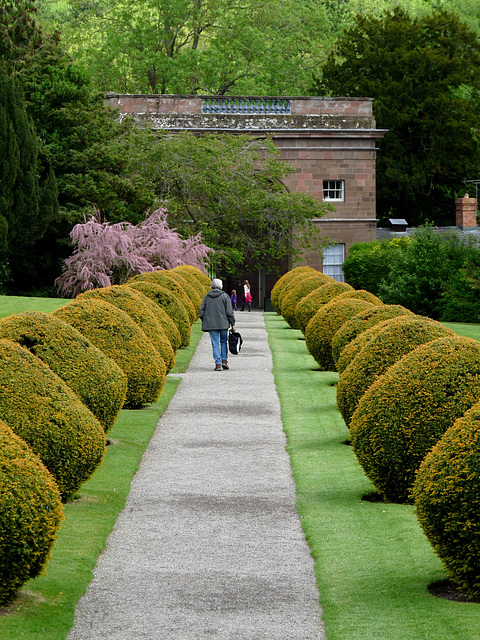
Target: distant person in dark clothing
x=217, y=316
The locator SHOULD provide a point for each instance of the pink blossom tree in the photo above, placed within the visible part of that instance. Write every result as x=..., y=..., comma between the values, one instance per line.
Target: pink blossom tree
x=107, y=254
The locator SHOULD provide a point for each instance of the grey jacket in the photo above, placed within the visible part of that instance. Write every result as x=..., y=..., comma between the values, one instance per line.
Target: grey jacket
x=216, y=311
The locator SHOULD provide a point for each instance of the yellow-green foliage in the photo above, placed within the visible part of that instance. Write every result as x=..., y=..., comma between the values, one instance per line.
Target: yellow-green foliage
x=165, y=321
x=395, y=340
x=311, y=303
x=40, y=408
x=96, y=379
x=447, y=499
x=187, y=270
x=282, y=282
x=30, y=513
x=289, y=287
x=169, y=302
x=164, y=279
x=408, y=409
x=134, y=305
x=360, y=294
x=192, y=289
x=325, y=324
x=363, y=321
x=353, y=348
x=303, y=286
x=120, y=338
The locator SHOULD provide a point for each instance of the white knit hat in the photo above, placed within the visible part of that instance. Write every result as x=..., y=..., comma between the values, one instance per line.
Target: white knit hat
x=216, y=284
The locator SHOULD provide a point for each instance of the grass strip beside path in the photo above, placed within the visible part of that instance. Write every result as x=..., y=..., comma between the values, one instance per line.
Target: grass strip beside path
x=46, y=605
x=372, y=561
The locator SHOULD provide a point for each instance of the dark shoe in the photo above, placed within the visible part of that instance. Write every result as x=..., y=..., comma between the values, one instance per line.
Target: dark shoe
x=218, y=367
x=225, y=364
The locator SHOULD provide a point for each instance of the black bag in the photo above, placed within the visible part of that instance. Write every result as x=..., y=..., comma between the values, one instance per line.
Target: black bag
x=234, y=341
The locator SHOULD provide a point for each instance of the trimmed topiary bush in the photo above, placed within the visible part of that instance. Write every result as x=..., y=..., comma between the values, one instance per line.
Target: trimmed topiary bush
x=303, y=287
x=353, y=348
x=363, y=321
x=96, y=379
x=187, y=270
x=134, y=305
x=408, y=409
x=164, y=279
x=325, y=324
x=282, y=282
x=395, y=340
x=311, y=303
x=447, y=499
x=360, y=294
x=290, y=286
x=30, y=514
x=169, y=326
x=169, y=302
x=121, y=339
x=193, y=291
x=40, y=408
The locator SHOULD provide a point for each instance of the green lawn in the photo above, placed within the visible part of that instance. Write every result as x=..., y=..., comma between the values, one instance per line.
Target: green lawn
x=373, y=563
x=467, y=330
x=17, y=304
x=46, y=605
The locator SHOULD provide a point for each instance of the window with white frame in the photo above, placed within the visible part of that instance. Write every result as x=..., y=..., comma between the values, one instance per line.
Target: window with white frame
x=333, y=257
x=333, y=190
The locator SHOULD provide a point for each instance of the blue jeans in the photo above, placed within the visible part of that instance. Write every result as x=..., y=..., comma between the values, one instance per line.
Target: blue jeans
x=219, y=339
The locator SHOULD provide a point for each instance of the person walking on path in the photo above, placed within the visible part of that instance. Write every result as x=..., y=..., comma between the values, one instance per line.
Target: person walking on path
x=247, y=295
x=233, y=298
x=217, y=316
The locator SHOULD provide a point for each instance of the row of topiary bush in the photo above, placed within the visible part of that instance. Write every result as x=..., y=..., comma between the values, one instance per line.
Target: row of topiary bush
x=64, y=377
x=409, y=392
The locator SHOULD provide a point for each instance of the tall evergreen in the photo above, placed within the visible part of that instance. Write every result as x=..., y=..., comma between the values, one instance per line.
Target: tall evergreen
x=19, y=189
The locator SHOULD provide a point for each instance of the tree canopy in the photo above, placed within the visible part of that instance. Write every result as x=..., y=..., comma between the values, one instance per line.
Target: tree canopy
x=228, y=188
x=197, y=46
x=424, y=76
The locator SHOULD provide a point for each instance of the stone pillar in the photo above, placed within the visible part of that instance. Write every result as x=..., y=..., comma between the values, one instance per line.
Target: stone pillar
x=466, y=209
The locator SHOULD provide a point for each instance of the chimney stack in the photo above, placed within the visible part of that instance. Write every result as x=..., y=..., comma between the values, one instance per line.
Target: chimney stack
x=466, y=209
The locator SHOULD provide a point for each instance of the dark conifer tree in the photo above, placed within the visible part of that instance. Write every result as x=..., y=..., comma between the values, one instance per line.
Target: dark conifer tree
x=19, y=190
x=424, y=76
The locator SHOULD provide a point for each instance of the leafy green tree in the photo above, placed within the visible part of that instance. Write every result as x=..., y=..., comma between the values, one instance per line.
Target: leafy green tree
x=424, y=76
x=198, y=46
x=229, y=189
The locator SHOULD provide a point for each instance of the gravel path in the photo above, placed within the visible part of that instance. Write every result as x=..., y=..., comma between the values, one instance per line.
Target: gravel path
x=209, y=544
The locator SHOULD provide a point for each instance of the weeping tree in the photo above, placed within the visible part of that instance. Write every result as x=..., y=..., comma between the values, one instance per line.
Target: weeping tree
x=105, y=254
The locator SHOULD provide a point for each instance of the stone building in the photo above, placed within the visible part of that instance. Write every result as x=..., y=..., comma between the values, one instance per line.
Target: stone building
x=330, y=142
